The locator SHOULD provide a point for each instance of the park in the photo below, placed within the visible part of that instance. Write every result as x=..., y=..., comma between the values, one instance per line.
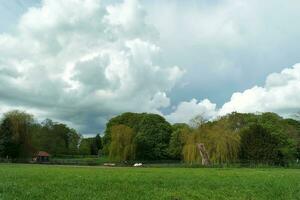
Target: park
x=149, y=100
x=142, y=156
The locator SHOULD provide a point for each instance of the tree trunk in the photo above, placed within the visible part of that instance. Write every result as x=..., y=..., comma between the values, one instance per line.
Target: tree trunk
x=204, y=154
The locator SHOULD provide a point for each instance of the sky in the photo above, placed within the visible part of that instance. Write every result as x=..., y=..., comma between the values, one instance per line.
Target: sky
x=82, y=62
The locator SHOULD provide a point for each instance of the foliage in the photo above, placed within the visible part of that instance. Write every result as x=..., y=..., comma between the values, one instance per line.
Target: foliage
x=90, y=146
x=151, y=134
x=285, y=132
x=96, y=145
x=246, y=137
x=22, y=137
x=55, y=138
x=190, y=151
x=197, y=121
x=15, y=138
x=8, y=147
x=122, y=147
x=85, y=146
x=258, y=144
x=153, y=138
x=294, y=132
x=177, y=140
x=221, y=143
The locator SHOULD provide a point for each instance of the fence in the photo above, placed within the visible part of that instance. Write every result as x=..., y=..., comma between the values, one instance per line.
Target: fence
x=95, y=161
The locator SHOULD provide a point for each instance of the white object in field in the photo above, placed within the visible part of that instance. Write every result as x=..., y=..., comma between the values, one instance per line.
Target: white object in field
x=138, y=164
x=109, y=164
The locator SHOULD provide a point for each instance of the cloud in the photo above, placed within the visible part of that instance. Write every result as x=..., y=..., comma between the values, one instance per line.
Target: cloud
x=83, y=61
x=187, y=110
x=280, y=94
x=225, y=45
x=80, y=62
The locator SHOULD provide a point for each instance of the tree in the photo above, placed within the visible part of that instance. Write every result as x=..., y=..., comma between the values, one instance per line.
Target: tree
x=73, y=138
x=21, y=136
x=152, y=134
x=153, y=138
x=85, y=146
x=8, y=147
x=177, y=140
x=16, y=127
x=197, y=121
x=260, y=146
x=131, y=120
x=48, y=137
x=122, y=147
x=96, y=145
x=297, y=116
x=98, y=142
x=221, y=143
x=294, y=132
x=287, y=131
x=55, y=138
x=190, y=152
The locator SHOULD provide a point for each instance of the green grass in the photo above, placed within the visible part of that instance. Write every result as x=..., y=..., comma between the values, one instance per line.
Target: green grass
x=69, y=182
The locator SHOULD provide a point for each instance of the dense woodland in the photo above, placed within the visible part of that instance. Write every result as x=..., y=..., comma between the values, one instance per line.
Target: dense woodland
x=21, y=136
x=235, y=138
x=257, y=138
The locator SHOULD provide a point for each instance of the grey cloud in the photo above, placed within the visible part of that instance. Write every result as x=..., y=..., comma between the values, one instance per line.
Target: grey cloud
x=81, y=63
x=225, y=46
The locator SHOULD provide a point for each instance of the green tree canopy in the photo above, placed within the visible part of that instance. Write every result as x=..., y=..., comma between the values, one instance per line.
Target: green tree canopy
x=259, y=145
x=152, y=134
x=220, y=141
x=177, y=140
x=21, y=136
x=15, y=137
x=122, y=147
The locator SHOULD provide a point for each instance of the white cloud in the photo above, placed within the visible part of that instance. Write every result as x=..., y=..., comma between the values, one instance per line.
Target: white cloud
x=225, y=45
x=280, y=94
x=160, y=100
x=187, y=110
x=80, y=62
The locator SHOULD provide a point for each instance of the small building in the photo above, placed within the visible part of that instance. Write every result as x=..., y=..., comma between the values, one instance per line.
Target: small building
x=42, y=156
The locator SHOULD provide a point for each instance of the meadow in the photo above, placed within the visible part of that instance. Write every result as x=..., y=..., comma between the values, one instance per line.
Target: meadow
x=24, y=181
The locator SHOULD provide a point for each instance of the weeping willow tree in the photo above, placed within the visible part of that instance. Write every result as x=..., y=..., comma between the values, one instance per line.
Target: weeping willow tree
x=221, y=143
x=122, y=147
x=15, y=136
x=190, y=152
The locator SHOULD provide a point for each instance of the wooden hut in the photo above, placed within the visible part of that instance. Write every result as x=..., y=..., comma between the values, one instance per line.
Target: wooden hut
x=42, y=156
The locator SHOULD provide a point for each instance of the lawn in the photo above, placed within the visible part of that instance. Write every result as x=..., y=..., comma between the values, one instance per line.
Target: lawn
x=69, y=182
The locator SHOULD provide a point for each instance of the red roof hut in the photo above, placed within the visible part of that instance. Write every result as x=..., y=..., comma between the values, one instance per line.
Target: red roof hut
x=42, y=156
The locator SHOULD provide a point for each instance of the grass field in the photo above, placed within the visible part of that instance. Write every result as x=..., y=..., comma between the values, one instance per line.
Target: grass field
x=69, y=182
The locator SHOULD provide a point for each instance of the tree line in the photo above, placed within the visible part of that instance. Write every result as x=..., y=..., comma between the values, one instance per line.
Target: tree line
x=21, y=136
x=259, y=138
